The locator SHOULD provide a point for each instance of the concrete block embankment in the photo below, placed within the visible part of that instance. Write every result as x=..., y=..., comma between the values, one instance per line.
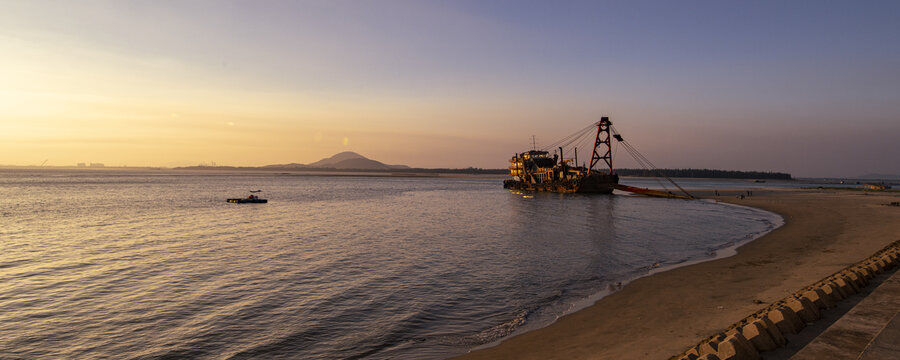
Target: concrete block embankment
x=765, y=329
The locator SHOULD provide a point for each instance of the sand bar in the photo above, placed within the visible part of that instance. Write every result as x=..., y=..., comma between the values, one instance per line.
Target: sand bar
x=659, y=316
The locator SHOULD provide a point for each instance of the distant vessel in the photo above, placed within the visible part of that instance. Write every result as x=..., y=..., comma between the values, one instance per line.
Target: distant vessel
x=535, y=170
x=250, y=199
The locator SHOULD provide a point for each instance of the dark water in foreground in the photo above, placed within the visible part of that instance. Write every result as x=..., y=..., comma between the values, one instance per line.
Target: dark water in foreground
x=145, y=265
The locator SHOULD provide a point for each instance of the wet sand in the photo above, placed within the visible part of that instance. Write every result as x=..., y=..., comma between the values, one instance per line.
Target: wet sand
x=660, y=316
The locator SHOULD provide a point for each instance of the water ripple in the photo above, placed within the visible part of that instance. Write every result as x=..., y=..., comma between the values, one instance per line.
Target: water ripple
x=157, y=265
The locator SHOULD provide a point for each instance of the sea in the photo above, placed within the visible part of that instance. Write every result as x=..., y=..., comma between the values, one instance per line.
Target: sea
x=149, y=264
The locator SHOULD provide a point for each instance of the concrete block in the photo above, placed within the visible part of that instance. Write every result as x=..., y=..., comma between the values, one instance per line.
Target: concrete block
x=894, y=256
x=843, y=288
x=711, y=346
x=878, y=264
x=818, y=297
x=709, y=357
x=864, y=271
x=741, y=339
x=846, y=287
x=857, y=286
x=694, y=350
x=731, y=348
x=756, y=333
x=809, y=305
x=773, y=331
x=830, y=289
x=875, y=267
x=805, y=309
x=862, y=276
x=786, y=320
x=855, y=278
x=891, y=254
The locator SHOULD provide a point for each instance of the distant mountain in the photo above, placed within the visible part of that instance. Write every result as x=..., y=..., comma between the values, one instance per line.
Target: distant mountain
x=336, y=158
x=347, y=160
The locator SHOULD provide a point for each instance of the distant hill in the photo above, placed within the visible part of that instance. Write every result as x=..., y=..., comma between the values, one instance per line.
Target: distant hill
x=337, y=158
x=347, y=160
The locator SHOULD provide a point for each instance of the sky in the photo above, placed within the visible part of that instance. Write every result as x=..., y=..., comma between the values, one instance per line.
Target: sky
x=811, y=88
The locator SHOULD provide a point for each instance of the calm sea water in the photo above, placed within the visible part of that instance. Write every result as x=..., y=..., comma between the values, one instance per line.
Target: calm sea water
x=157, y=265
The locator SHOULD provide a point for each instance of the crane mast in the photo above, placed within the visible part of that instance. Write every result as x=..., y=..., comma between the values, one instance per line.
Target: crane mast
x=602, y=139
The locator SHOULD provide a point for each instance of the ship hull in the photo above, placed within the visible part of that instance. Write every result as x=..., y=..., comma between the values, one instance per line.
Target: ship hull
x=592, y=184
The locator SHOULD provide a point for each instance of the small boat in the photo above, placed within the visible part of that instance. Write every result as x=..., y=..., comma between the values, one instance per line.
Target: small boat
x=250, y=199
x=247, y=200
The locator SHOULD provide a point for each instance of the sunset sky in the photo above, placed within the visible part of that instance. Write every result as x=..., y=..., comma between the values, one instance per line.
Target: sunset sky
x=806, y=87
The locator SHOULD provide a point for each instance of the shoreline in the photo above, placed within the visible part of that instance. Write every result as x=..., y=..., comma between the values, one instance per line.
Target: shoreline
x=662, y=314
x=581, y=304
x=726, y=250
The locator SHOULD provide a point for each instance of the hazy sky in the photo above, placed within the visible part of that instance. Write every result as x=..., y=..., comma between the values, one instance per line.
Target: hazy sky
x=811, y=88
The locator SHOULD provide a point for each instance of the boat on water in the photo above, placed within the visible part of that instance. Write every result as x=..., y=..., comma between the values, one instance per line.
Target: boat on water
x=536, y=170
x=250, y=199
x=247, y=200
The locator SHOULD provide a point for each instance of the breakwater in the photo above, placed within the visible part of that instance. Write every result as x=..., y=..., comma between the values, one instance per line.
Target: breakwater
x=765, y=329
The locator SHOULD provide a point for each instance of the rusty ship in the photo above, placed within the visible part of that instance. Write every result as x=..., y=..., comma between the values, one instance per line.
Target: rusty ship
x=536, y=170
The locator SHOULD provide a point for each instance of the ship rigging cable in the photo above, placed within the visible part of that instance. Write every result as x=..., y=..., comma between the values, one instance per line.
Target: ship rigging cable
x=582, y=138
x=574, y=137
x=643, y=161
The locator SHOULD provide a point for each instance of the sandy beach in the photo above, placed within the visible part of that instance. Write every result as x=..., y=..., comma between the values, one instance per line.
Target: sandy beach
x=659, y=316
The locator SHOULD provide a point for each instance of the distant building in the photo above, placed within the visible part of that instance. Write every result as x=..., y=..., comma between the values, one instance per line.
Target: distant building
x=82, y=165
x=97, y=165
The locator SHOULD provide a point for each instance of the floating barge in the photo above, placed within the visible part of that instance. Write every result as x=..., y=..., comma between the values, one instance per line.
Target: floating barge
x=535, y=170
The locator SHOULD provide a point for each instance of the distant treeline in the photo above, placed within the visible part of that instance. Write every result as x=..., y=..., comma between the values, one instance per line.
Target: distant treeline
x=469, y=170
x=705, y=173
x=680, y=173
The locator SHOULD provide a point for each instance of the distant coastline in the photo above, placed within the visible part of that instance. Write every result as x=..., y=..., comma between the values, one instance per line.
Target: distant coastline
x=349, y=162
x=675, y=173
x=408, y=171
